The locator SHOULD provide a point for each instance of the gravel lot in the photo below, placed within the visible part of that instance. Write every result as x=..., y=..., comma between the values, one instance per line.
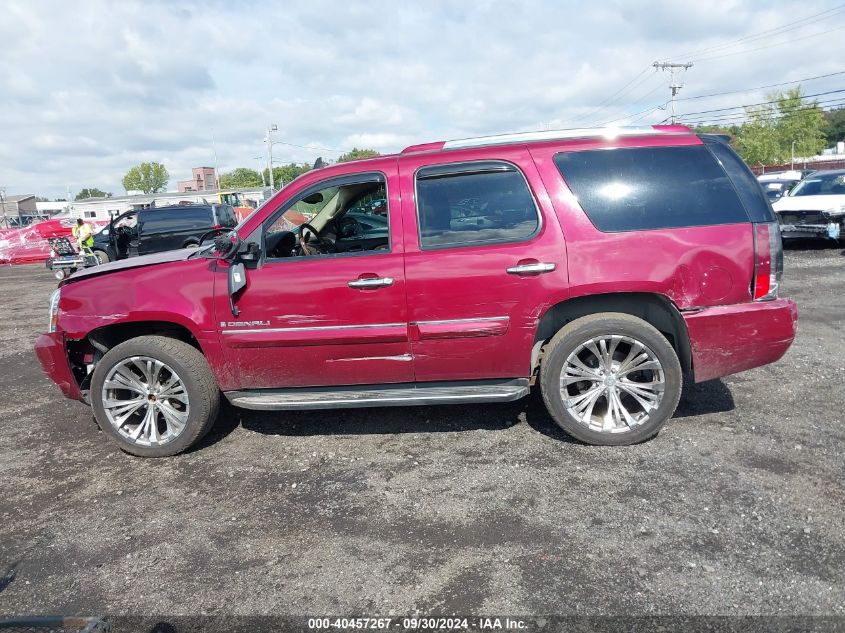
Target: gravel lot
x=737, y=507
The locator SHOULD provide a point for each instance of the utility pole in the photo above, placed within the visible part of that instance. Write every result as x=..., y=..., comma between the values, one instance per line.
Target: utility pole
x=269, y=140
x=5, y=223
x=674, y=86
x=216, y=171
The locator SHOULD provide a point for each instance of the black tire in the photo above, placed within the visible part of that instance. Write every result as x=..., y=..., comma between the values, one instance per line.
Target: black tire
x=193, y=371
x=570, y=337
x=102, y=256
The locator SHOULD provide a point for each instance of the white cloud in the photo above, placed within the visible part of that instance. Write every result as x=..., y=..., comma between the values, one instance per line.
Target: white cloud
x=87, y=89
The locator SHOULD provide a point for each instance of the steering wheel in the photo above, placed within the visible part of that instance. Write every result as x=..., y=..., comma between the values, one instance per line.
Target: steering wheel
x=308, y=249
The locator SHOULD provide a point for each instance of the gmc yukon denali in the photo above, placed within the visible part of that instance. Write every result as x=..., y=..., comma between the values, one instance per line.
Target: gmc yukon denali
x=600, y=266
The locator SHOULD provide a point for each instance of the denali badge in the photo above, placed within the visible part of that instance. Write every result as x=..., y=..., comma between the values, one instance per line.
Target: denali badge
x=244, y=323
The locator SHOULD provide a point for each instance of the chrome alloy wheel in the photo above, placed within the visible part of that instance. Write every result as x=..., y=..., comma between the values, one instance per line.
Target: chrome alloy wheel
x=612, y=383
x=146, y=401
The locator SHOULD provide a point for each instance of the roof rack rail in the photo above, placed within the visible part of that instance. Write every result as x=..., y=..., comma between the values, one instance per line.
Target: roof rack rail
x=556, y=135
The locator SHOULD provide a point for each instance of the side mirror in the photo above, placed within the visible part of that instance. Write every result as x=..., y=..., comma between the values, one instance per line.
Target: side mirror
x=237, y=282
x=314, y=198
x=227, y=245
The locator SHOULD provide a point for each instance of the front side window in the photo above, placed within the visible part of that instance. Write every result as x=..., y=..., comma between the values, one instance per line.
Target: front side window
x=646, y=188
x=344, y=215
x=466, y=204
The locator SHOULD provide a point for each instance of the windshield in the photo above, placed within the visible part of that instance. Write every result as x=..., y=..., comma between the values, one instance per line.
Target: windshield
x=821, y=185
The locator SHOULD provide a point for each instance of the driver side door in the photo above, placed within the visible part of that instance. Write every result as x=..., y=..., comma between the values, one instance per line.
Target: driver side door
x=321, y=320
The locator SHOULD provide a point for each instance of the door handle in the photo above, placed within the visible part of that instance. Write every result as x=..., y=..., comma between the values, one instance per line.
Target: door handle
x=534, y=268
x=371, y=282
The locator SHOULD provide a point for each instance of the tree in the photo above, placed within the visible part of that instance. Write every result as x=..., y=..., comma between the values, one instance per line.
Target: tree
x=835, y=126
x=240, y=177
x=93, y=192
x=775, y=129
x=146, y=177
x=357, y=154
x=284, y=174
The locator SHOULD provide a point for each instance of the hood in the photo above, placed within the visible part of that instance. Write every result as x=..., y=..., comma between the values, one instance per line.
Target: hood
x=132, y=262
x=809, y=203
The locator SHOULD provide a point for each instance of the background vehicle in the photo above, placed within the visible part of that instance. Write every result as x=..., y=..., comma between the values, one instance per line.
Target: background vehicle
x=815, y=207
x=506, y=261
x=160, y=229
x=776, y=189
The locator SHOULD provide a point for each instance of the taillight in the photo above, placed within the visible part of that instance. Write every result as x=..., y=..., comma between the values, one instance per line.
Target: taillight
x=768, y=261
x=218, y=226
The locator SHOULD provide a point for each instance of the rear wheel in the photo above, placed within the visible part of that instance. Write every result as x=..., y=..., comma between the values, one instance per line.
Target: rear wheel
x=154, y=396
x=610, y=379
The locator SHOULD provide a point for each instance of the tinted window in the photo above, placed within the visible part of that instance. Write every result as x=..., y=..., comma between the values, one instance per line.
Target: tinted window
x=651, y=188
x=463, y=204
x=175, y=219
x=226, y=215
x=746, y=185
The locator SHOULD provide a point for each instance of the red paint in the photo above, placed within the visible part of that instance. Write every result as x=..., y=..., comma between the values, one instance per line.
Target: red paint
x=451, y=313
x=729, y=339
x=50, y=350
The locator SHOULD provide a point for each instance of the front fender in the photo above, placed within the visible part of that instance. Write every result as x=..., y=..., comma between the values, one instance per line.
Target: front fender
x=177, y=292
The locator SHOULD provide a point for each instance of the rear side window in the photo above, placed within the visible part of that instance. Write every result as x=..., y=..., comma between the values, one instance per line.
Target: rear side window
x=643, y=188
x=169, y=220
x=474, y=203
x=747, y=186
x=225, y=215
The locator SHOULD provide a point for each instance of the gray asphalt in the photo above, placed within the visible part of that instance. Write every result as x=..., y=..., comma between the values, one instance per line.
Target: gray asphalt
x=735, y=508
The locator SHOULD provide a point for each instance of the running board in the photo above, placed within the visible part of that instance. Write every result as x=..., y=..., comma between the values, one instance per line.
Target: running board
x=404, y=394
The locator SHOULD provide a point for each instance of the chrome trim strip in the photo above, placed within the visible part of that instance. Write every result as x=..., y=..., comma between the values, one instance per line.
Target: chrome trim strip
x=316, y=328
x=456, y=321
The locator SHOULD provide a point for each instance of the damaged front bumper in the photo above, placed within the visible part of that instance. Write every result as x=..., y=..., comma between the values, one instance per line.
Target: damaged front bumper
x=816, y=224
x=50, y=349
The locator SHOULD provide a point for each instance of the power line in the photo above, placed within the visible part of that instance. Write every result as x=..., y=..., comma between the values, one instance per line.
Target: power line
x=751, y=105
x=636, y=102
x=323, y=149
x=794, y=24
x=760, y=48
x=612, y=98
x=738, y=117
x=785, y=83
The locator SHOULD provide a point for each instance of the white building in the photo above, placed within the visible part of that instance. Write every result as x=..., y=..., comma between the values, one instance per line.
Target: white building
x=104, y=208
x=48, y=208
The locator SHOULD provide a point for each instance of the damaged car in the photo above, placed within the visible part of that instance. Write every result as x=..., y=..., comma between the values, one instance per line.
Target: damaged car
x=814, y=208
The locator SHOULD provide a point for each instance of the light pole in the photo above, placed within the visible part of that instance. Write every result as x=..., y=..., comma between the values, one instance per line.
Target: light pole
x=792, y=162
x=269, y=140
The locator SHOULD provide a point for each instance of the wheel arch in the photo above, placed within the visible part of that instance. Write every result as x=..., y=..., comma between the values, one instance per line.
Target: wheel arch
x=655, y=309
x=105, y=337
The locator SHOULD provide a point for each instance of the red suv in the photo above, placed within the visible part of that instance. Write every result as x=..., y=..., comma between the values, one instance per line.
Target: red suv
x=602, y=264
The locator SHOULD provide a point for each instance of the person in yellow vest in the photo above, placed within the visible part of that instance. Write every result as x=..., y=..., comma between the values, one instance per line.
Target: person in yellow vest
x=83, y=233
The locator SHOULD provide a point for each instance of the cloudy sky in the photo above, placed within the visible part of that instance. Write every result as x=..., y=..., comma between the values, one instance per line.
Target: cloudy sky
x=87, y=88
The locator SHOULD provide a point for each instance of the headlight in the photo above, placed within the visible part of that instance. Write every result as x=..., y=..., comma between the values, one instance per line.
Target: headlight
x=54, y=310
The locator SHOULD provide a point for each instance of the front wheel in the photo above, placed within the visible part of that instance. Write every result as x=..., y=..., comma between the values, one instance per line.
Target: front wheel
x=154, y=396
x=102, y=256
x=610, y=379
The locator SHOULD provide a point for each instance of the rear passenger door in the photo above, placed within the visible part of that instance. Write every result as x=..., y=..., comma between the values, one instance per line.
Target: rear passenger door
x=484, y=255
